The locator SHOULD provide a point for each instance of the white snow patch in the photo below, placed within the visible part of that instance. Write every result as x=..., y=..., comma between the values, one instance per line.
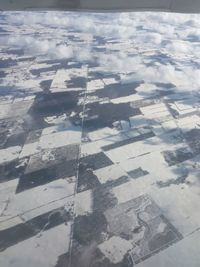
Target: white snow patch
x=115, y=248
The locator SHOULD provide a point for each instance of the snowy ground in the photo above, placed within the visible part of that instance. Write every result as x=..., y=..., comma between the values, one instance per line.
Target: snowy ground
x=99, y=136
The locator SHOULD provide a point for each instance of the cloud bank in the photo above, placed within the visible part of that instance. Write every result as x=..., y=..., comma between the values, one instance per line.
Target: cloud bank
x=154, y=47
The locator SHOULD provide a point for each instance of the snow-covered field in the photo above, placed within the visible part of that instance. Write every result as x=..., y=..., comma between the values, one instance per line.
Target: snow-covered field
x=99, y=139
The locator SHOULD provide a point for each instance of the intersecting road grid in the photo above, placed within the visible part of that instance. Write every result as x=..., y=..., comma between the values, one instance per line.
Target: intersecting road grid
x=95, y=171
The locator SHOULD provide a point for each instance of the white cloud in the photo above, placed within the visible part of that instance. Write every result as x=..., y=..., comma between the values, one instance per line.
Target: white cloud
x=176, y=35
x=33, y=46
x=179, y=47
x=186, y=79
x=119, y=62
x=51, y=49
